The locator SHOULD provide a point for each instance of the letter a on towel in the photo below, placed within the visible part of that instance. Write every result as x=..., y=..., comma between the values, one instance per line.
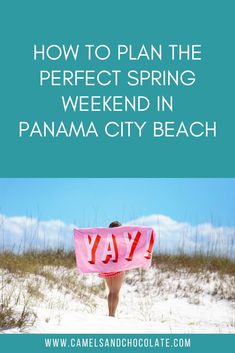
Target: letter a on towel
x=113, y=249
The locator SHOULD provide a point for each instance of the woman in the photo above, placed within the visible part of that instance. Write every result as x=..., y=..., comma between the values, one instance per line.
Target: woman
x=114, y=282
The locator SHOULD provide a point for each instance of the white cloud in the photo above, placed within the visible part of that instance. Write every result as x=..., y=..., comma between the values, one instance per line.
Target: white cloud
x=174, y=236
x=21, y=233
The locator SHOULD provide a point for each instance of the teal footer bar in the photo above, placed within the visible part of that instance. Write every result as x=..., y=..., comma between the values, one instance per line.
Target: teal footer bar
x=40, y=343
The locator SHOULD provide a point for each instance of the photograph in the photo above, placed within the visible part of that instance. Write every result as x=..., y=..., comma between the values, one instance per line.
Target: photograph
x=117, y=255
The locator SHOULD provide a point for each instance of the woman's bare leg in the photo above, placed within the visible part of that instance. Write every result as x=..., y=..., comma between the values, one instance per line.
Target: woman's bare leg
x=114, y=284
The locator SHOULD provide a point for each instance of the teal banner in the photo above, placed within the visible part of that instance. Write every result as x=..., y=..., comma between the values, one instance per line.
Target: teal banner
x=117, y=343
x=117, y=89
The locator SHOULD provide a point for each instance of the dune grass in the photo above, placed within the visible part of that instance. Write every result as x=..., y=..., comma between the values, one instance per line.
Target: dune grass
x=196, y=263
x=33, y=261
x=10, y=318
x=29, y=262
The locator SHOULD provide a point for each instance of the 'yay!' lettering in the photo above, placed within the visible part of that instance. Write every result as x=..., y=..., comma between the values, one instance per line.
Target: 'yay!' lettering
x=122, y=248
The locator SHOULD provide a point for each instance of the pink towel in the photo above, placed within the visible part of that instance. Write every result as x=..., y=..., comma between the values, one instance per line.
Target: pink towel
x=113, y=249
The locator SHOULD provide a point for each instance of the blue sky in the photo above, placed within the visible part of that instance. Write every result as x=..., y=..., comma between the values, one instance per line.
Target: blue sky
x=96, y=202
